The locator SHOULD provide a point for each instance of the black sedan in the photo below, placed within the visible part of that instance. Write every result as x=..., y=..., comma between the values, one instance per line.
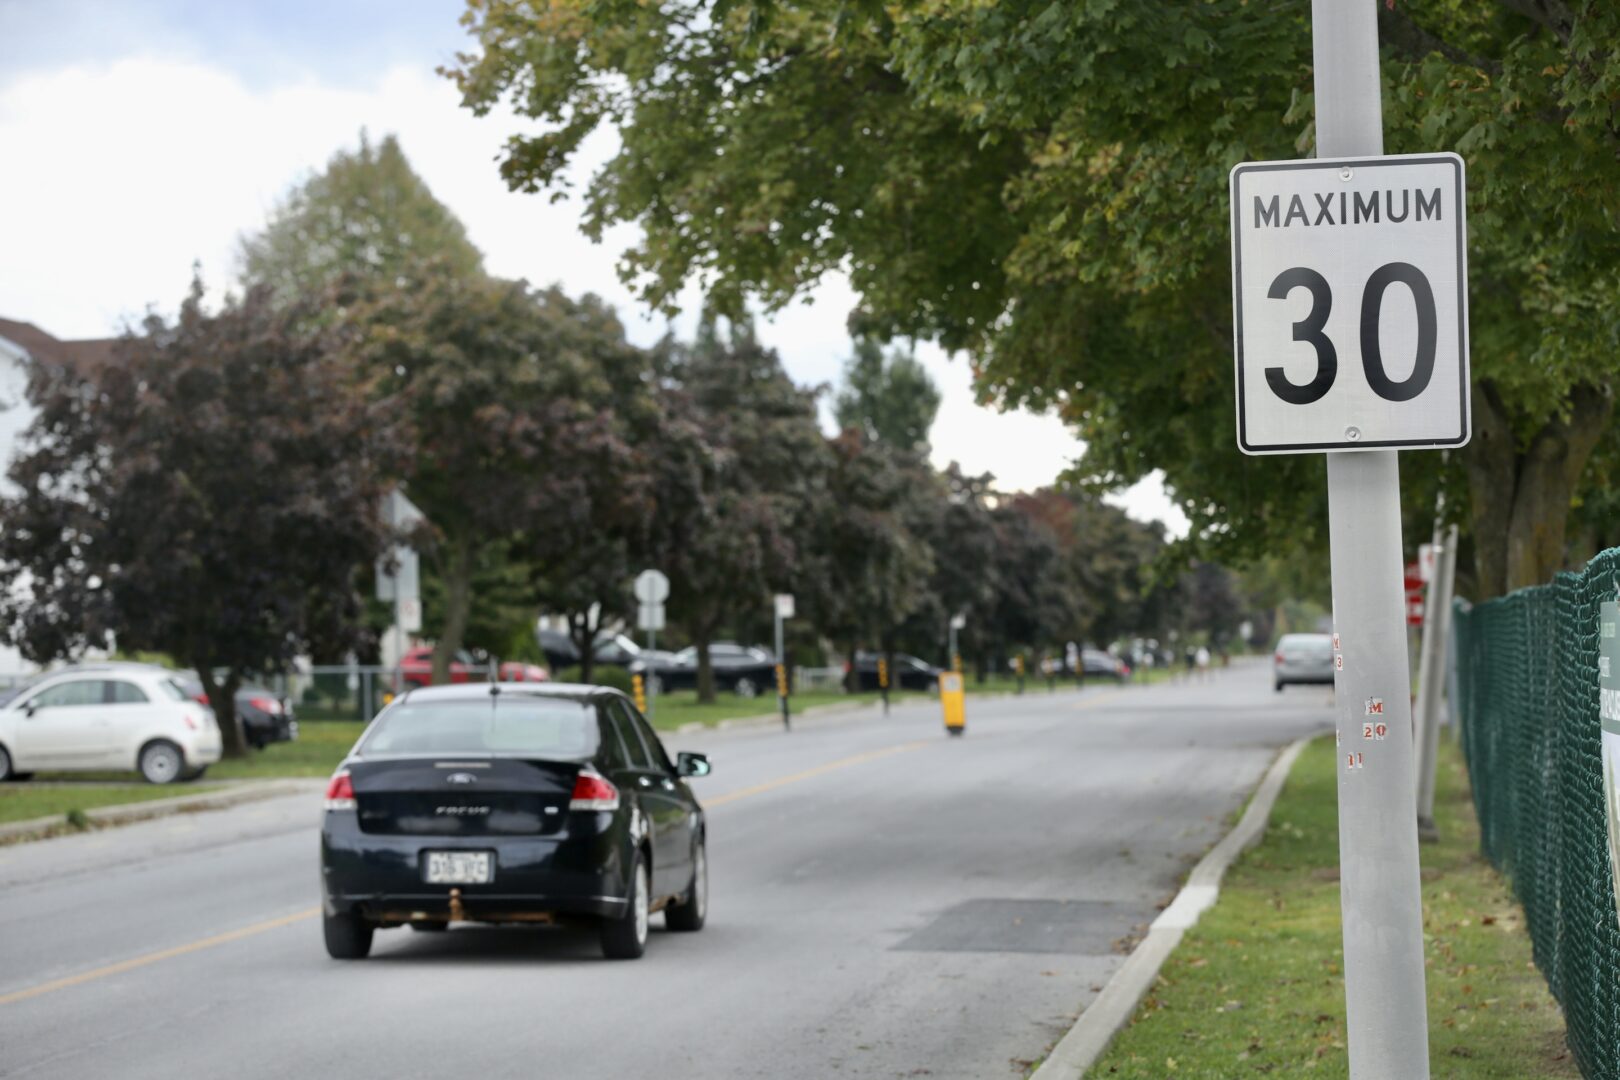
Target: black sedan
x=909, y=673
x=512, y=803
x=744, y=670
x=266, y=718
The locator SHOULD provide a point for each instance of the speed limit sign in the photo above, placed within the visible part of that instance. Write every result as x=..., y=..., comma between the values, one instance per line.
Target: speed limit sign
x=1350, y=304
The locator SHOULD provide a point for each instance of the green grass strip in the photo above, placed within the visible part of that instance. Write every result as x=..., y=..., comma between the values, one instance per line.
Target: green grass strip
x=1257, y=987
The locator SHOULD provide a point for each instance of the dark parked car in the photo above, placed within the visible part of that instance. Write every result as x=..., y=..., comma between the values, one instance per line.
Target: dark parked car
x=909, y=673
x=266, y=718
x=744, y=670
x=512, y=803
x=1101, y=665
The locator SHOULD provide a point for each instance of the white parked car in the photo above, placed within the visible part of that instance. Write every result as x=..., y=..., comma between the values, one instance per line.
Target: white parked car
x=106, y=716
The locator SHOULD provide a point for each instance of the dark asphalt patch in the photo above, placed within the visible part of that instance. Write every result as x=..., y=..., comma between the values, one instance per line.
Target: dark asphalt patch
x=1085, y=927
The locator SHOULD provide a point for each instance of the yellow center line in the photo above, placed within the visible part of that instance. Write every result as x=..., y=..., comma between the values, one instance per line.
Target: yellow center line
x=1106, y=695
x=819, y=770
x=152, y=958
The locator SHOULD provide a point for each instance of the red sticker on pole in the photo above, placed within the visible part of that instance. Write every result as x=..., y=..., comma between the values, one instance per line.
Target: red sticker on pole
x=1413, y=583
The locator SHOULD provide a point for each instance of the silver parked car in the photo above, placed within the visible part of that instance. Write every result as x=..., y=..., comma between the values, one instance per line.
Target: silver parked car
x=1303, y=658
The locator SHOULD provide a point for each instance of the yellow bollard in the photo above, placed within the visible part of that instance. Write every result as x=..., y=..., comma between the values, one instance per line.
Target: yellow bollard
x=639, y=685
x=954, y=700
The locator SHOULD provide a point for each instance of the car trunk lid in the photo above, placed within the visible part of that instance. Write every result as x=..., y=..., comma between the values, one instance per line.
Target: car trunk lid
x=455, y=796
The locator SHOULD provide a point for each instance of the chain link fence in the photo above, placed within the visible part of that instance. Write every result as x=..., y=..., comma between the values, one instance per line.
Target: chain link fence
x=1527, y=682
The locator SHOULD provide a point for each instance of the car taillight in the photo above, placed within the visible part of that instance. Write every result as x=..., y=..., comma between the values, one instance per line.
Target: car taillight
x=592, y=791
x=266, y=705
x=1278, y=658
x=340, y=792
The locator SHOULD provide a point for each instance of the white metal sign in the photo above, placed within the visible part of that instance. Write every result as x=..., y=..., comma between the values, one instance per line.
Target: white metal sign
x=784, y=605
x=1350, y=305
x=650, y=617
x=651, y=587
x=410, y=615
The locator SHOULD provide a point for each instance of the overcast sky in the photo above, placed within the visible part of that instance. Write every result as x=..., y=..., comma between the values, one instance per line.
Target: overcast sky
x=138, y=137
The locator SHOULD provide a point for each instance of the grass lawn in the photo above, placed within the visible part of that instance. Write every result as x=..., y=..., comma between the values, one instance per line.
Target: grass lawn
x=1256, y=987
x=20, y=802
x=321, y=744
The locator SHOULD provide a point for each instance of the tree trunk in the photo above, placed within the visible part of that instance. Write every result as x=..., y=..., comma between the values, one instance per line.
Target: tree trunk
x=583, y=634
x=457, y=604
x=705, y=671
x=1520, y=498
x=222, y=699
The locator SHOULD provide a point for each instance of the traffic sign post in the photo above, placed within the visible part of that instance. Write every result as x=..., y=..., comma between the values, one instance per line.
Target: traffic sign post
x=651, y=590
x=1350, y=321
x=784, y=611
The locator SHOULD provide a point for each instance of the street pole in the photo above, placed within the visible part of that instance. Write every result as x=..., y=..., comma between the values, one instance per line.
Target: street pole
x=1385, y=1008
x=1431, y=679
x=781, y=673
x=652, y=679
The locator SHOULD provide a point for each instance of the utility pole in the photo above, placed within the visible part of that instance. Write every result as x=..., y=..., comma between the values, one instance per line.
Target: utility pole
x=1385, y=1006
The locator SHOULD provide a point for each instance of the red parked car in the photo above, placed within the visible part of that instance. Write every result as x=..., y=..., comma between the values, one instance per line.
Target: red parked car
x=417, y=669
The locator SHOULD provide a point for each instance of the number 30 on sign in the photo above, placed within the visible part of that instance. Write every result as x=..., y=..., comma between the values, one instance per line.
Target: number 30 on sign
x=1350, y=304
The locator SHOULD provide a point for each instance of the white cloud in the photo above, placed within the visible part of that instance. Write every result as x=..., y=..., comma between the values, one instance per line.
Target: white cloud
x=117, y=177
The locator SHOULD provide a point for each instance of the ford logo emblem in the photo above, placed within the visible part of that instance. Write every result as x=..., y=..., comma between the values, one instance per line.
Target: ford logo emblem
x=461, y=778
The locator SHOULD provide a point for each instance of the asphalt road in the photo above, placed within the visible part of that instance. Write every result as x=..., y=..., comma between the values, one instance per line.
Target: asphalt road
x=886, y=902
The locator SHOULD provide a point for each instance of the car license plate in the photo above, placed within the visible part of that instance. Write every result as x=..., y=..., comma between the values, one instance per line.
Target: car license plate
x=459, y=867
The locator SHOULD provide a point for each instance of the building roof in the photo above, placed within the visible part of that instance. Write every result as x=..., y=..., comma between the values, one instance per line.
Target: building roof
x=89, y=352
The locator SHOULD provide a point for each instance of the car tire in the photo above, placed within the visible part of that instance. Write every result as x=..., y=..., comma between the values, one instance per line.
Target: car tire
x=348, y=936
x=430, y=927
x=745, y=688
x=689, y=914
x=1279, y=687
x=625, y=938
x=5, y=766
x=160, y=762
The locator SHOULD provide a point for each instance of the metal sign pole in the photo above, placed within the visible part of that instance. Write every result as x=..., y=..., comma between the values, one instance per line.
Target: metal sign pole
x=1437, y=633
x=1386, y=1011
x=781, y=672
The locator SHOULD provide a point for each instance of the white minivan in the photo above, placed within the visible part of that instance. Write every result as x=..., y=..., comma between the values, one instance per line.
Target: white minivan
x=106, y=716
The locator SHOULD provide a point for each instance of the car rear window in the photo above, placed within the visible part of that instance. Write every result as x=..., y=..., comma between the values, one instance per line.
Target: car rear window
x=505, y=724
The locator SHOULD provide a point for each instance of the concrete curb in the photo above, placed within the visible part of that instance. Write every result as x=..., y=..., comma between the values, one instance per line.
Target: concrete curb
x=1112, y=1010
x=124, y=813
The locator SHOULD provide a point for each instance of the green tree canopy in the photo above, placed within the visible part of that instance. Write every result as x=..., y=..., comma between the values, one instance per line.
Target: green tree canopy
x=891, y=399
x=1044, y=186
x=367, y=215
x=206, y=494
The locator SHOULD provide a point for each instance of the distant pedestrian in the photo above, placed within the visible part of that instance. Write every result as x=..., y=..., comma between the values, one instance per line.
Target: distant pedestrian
x=1201, y=658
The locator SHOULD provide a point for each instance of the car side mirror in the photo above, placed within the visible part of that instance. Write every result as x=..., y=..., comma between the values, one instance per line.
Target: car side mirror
x=30, y=709
x=690, y=764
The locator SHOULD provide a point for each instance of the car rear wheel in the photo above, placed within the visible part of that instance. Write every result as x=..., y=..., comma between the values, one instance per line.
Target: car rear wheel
x=161, y=762
x=1279, y=686
x=5, y=766
x=348, y=936
x=688, y=915
x=746, y=688
x=625, y=938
